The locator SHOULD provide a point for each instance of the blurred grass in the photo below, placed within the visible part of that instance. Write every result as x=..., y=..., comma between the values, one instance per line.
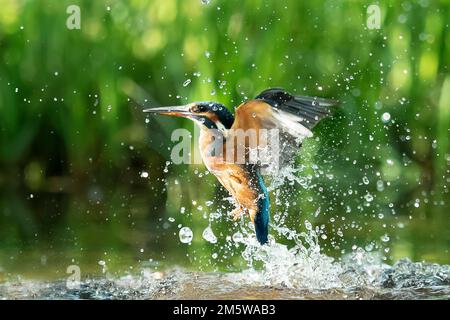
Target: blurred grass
x=73, y=139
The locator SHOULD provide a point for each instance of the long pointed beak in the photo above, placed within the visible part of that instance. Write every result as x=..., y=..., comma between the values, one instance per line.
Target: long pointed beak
x=179, y=111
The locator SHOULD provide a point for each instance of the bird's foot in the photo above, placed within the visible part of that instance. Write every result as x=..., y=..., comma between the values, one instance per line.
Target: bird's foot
x=252, y=214
x=237, y=213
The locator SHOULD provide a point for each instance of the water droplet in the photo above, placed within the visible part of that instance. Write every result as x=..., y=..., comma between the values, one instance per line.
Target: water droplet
x=209, y=235
x=368, y=197
x=238, y=237
x=385, y=238
x=365, y=180
x=386, y=117
x=378, y=105
x=207, y=54
x=171, y=219
x=144, y=174
x=434, y=144
x=308, y=225
x=205, y=1
x=186, y=235
x=186, y=83
x=380, y=185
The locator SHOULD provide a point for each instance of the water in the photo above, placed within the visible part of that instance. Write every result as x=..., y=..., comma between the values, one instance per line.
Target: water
x=403, y=280
x=274, y=271
x=199, y=253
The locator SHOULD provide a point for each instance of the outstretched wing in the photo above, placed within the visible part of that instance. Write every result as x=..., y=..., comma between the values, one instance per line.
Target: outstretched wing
x=306, y=111
x=293, y=116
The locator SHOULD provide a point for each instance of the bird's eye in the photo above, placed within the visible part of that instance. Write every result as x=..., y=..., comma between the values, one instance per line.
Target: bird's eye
x=198, y=108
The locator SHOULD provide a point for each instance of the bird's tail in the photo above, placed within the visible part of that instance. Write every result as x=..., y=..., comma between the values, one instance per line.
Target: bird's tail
x=262, y=216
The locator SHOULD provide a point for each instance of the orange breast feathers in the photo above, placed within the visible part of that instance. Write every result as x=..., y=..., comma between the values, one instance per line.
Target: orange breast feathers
x=240, y=185
x=232, y=176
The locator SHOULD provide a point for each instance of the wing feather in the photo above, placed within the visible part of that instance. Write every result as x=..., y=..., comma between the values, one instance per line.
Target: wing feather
x=310, y=110
x=294, y=116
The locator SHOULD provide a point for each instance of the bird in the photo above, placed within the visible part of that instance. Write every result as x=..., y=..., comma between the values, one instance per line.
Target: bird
x=293, y=116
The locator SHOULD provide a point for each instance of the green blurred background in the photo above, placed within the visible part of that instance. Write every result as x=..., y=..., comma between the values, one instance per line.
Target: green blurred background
x=74, y=142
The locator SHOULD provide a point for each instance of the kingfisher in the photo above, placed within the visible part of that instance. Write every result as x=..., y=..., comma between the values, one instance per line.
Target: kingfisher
x=293, y=116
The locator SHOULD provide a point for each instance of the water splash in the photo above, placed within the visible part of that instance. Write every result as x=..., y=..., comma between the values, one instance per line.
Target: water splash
x=299, y=270
x=303, y=265
x=403, y=280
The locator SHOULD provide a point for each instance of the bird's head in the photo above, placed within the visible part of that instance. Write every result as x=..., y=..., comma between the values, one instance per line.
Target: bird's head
x=211, y=115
